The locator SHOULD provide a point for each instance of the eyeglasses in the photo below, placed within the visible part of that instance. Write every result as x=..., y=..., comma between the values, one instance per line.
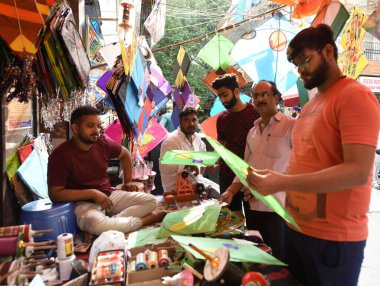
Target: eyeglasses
x=263, y=94
x=305, y=62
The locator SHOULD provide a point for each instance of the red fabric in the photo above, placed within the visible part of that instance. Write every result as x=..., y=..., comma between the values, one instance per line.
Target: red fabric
x=75, y=169
x=233, y=128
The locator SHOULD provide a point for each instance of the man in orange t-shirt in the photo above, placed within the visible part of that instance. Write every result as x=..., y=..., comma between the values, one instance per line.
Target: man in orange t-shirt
x=328, y=181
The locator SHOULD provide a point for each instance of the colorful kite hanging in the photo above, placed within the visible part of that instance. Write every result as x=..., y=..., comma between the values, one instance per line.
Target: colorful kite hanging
x=144, y=116
x=133, y=94
x=372, y=25
x=216, y=53
x=193, y=101
x=114, y=132
x=212, y=75
x=209, y=127
x=218, y=106
x=155, y=23
x=352, y=60
x=180, y=97
x=158, y=90
x=264, y=57
x=21, y=21
x=95, y=41
x=302, y=8
x=354, y=31
x=181, y=67
x=240, y=169
x=189, y=158
x=333, y=14
x=153, y=135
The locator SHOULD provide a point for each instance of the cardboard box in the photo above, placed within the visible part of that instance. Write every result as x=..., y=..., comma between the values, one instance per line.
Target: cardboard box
x=151, y=277
x=148, y=277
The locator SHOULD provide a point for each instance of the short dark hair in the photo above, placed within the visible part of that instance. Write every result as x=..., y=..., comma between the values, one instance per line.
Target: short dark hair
x=81, y=111
x=187, y=111
x=227, y=80
x=274, y=87
x=314, y=38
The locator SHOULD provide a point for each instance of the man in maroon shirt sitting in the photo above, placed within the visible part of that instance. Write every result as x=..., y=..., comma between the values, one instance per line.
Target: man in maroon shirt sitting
x=232, y=127
x=77, y=171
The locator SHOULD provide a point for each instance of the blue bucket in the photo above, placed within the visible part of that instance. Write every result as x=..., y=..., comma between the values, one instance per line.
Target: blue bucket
x=43, y=214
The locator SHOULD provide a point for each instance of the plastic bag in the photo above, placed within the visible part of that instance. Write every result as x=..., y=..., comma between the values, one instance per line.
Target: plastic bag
x=108, y=240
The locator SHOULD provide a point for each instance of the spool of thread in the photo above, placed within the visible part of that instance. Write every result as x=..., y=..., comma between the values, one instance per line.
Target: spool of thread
x=141, y=261
x=65, y=245
x=127, y=6
x=116, y=256
x=8, y=246
x=152, y=260
x=14, y=231
x=163, y=258
x=109, y=270
x=65, y=267
x=254, y=278
x=132, y=266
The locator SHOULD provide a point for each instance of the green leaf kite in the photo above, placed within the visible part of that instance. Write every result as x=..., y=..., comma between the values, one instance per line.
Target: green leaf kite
x=240, y=169
x=189, y=158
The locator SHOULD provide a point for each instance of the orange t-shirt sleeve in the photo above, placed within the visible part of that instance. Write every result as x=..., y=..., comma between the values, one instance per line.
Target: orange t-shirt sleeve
x=359, y=116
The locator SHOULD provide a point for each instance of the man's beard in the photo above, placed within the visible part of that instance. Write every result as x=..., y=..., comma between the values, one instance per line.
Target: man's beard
x=231, y=103
x=87, y=140
x=188, y=132
x=318, y=77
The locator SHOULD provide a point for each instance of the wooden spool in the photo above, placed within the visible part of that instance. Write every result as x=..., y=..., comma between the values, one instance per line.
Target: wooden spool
x=127, y=6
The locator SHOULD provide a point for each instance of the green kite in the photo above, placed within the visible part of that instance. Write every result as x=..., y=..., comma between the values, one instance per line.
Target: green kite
x=190, y=158
x=240, y=169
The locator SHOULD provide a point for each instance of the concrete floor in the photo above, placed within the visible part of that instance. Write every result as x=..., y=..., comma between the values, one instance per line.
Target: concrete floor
x=370, y=273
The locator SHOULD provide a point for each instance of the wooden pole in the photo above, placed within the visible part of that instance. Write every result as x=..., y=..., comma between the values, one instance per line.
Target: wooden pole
x=2, y=163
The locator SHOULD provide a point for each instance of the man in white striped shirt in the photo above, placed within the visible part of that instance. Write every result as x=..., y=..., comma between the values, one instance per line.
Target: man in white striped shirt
x=268, y=147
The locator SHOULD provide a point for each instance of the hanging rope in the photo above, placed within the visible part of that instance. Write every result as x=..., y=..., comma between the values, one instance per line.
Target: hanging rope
x=19, y=25
x=216, y=31
x=39, y=13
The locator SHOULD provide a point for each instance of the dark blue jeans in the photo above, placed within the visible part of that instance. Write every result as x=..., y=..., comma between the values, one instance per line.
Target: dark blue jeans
x=316, y=261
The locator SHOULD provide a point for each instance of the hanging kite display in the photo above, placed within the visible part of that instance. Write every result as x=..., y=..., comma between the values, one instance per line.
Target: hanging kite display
x=180, y=98
x=209, y=127
x=133, y=94
x=155, y=23
x=212, y=75
x=158, y=90
x=372, y=25
x=216, y=53
x=218, y=106
x=153, y=135
x=302, y=8
x=193, y=101
x=352, y=60
x=95, y=42
x=21, y=21
x=264, y=57
x=333, y=14
x=181, y=67
x=62, y=58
